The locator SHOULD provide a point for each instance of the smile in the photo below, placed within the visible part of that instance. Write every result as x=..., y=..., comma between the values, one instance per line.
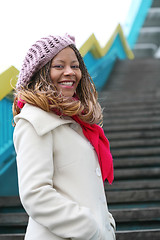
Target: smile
x=67, y=83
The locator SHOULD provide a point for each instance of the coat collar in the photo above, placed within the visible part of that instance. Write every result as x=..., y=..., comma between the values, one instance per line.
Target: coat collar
x=41, y=120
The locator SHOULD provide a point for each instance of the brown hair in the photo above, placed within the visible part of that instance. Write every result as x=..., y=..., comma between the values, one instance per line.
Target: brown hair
x=42, y=93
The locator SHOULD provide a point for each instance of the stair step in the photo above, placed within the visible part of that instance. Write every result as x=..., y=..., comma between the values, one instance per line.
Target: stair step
x=136, y=152
x=130, y=106
x=127, y=97
x=131, y=117
x=10, y=201
x=12, y=236
x=127, y=127
x=144, y=50
x=137, y=173
x=136, y=214
x=124, y=82
x=135, y=143
x=125, y=118
x=109, y=120
x=139, y=234
x=148, y=161
x=156, y=4
x=132, y=134
x=133, y=185
x=133, y=196
x=149, y=35
x=13, y=219
x=153, y=18
x=127, y=115
x=130, y=67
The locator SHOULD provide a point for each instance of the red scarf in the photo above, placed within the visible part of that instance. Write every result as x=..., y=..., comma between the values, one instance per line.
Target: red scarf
x=95, y=135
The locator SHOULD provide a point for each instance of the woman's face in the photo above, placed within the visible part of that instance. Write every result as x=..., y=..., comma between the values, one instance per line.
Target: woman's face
x=65, y=72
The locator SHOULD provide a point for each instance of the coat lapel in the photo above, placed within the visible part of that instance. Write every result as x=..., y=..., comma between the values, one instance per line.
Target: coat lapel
x=41, y=120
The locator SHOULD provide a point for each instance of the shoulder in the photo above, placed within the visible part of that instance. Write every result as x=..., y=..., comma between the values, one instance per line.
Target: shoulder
x=40, y=120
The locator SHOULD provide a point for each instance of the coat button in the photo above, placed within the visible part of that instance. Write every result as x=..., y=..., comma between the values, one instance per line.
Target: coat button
x=98, y=171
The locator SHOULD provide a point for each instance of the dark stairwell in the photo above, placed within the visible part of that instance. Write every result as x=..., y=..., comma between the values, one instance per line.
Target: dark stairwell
x=131, y=101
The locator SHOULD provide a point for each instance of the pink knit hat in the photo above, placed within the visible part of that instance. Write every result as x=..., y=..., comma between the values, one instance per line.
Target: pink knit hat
x=41, y=53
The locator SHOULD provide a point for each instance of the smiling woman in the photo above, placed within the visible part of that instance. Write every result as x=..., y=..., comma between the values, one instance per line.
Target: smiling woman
x=62, y=152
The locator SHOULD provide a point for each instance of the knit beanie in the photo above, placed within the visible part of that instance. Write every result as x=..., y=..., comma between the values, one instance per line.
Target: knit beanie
x=40, y=54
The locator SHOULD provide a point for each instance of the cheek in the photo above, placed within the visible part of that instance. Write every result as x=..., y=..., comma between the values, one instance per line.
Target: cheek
x=51, y=74
x=53, y=77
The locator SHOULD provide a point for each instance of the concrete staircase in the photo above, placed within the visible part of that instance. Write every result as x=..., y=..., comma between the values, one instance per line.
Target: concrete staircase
x=132, y=124
x=148, y=42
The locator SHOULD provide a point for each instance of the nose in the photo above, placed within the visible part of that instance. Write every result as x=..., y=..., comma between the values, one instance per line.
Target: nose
x=68, y=71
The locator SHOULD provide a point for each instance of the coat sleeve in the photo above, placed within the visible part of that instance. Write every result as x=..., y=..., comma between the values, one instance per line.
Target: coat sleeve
x=112, y=221
x=42, y=202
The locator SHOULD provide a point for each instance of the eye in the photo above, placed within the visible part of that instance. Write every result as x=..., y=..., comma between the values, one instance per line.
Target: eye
x=75, y=66
x=57, y=66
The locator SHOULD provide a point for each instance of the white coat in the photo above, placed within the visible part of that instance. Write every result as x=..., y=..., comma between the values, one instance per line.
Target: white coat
x=60, y=181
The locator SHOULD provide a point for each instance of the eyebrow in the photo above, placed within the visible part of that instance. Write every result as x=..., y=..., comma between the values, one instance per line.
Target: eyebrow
x=58, y=60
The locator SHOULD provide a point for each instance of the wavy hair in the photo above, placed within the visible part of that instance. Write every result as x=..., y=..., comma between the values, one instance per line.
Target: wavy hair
x=42, y=93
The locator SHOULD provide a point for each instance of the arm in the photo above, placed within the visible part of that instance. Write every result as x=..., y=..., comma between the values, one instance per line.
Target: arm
x=41, y=201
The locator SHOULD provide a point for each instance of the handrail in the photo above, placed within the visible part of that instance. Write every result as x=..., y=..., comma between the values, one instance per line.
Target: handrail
x=8, y=79
x=97, y=51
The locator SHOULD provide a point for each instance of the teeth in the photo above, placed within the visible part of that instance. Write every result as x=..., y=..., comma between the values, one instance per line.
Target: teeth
x=67, y=83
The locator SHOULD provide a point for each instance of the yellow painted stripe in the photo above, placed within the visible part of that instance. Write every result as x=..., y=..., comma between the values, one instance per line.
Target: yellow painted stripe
x=94, y=47
x=8, y=79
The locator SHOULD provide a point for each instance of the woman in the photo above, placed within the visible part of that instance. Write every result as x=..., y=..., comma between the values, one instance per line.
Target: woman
x=63, y=156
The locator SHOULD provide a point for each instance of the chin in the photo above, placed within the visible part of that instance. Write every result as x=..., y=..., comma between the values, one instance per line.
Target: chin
x=67, y=94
